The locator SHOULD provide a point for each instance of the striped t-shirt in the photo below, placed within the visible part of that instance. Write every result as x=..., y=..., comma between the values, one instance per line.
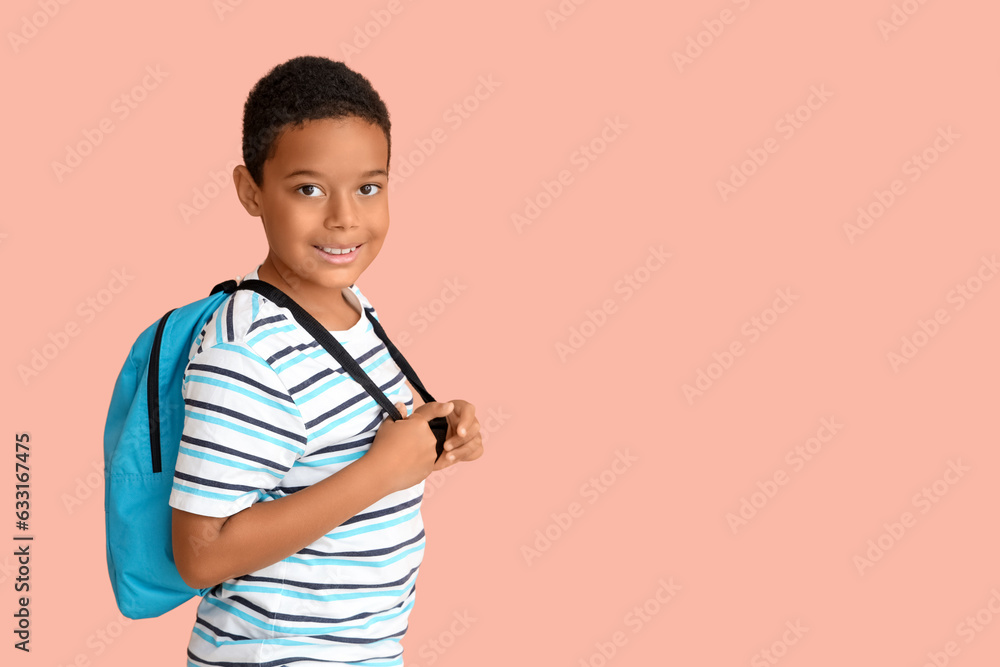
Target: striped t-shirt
x=268, y=411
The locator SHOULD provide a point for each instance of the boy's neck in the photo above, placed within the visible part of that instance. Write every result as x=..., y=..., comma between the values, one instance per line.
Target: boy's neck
x=335, y=314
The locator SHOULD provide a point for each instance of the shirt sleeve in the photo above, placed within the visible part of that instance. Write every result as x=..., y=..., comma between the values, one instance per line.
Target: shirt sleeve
x=242, y=432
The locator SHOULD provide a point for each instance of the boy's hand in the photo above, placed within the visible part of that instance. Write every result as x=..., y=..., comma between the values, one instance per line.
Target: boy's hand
x=464, y=441
x=404, y=450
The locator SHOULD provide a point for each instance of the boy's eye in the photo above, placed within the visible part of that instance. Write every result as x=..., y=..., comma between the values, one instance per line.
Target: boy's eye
x=303, y=187
x=314, y=191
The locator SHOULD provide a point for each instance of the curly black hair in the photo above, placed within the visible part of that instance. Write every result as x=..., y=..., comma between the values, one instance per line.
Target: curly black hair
x=305, y=88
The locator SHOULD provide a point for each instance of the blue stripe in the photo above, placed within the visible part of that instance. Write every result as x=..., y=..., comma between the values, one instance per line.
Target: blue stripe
x=337, y=379
x=331, y=460
x=334, y=423
x=300, y=357
x=290, y=409
x=323, y=560
x=318, y=597
x=232, y=463
x=255, y=304
x=376, y=526
x=269, y=332
x=368, y=368
x=214, y=641
x=205, y=494
x=242, y=429
x=313, y=630
x=218, y=321
x=240, y=349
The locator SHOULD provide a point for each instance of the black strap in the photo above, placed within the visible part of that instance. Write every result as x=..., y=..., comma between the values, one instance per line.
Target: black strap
x=333, y=346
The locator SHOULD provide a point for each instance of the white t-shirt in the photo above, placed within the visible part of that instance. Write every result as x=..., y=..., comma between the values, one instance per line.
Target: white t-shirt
x=268, y=411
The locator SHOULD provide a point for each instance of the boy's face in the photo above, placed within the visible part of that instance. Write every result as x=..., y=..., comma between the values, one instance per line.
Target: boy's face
x=325, y=186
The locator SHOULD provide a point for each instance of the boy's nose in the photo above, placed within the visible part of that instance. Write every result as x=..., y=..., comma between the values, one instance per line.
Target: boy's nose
x=340, y=212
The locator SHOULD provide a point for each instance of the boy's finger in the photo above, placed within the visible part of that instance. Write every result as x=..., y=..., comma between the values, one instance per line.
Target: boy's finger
x=457, y=441
x=466, y=451
x=466, y=413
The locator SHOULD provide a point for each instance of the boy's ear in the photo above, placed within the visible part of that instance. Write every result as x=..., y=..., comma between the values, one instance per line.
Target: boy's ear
x=247, y=190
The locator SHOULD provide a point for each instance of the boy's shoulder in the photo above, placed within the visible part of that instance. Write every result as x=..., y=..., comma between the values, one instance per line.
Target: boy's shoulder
x=248, y=318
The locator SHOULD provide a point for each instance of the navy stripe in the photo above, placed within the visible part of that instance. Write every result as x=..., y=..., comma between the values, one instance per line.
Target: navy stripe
x=373, y=424
x=247, y=604
x=395, y=509
x=211, y=482
x=212, y=407
x=267, y=320
x=310, y=381
x=317, y=586
x=365, y=554
x=362, y=395
x=229, y=319
x=350, y=444
x=305, y=348
x=218, y=632
x=234, y=452
x=219, y=370
x=284, y=352
x=287, y=661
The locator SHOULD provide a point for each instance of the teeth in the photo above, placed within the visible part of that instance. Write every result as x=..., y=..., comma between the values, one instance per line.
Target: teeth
x=336, y=251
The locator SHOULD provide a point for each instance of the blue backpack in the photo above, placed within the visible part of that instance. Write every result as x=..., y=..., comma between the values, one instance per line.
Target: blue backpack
x=142, y=437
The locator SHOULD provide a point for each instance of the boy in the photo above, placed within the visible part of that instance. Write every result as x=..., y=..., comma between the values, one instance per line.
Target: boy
x=294, y=499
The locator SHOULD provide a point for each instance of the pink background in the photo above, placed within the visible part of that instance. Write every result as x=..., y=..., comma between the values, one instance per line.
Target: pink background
x=613, y=545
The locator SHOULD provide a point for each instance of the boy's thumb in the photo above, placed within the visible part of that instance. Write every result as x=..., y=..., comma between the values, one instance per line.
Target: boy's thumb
x=434, y=409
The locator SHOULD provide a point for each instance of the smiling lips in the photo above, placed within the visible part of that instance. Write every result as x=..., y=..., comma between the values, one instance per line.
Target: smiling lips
x=337, y=255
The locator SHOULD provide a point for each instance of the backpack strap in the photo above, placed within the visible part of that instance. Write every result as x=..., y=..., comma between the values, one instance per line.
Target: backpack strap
x=227, y=286
x=437, y=425
x=333, y=346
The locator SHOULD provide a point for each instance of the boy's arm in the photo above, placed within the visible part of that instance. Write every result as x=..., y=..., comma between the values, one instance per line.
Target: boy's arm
x=242, y=433
x=208, y=550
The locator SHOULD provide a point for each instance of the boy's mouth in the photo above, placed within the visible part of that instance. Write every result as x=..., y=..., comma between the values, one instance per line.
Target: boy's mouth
x=338, y=254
